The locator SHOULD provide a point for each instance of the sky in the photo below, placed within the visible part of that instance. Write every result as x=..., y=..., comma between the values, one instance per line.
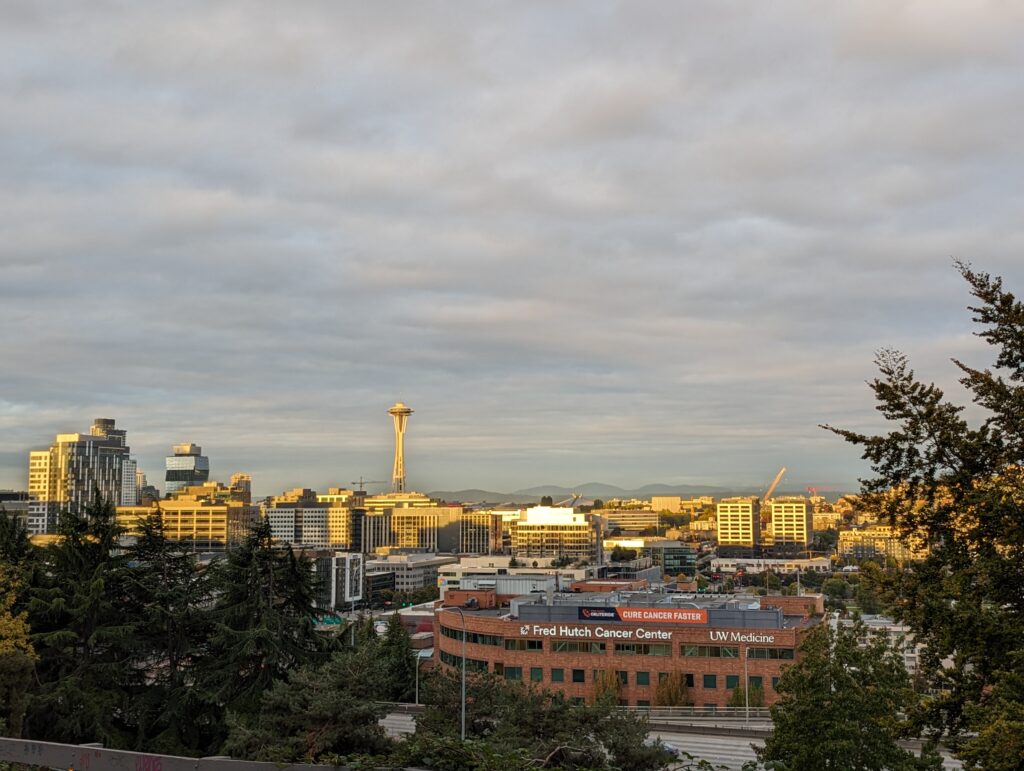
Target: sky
x=627, y=242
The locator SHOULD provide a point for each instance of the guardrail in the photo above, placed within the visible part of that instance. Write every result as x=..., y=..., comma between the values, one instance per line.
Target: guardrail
x=717, y=713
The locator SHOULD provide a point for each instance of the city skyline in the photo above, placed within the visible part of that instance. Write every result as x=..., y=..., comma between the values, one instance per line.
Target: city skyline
x=624, y=243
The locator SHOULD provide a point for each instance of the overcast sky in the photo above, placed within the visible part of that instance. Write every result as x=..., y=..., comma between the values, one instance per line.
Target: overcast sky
x=593, y=241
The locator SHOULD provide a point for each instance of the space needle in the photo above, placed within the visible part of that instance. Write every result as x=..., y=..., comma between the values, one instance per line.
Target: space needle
x=401, y=414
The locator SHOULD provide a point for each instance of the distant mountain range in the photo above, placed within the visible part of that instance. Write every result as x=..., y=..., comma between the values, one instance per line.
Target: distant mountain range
x=592, y=490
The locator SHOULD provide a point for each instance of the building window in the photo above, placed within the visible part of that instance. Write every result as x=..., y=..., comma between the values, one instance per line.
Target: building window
x=578, y=676
x=643, y=704
x=710, y=681
x=513, y=673
x=499, y=668
x=732, y=681
x=689, y=679
x=711, y=651
x=782, y=654
x=662, y=677
x=576, y=646
x=775, y=683
x=536, y=674
x=755, y=681
x=643, y=649
x=597, y=674
x=578, y=700
x=643, y=678
x=558, y=675
x=623, y=677
x=524, y=645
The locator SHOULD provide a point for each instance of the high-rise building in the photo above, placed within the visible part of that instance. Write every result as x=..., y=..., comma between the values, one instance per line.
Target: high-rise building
x=401, y=414
x=77, y=466
x=738, y=525
x=188, y=467
x=791, y=525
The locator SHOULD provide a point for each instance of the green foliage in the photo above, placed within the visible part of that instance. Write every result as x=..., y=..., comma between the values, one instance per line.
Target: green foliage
x=959, y=489
x=321, y=713
x=738, y=697
x=546, y=500
x=168, y=597
x=849, y=698
x=263, y=625
x=396, y=657
x=83, y=634
x=672, y=691
x=512, y=727
x=622, y=554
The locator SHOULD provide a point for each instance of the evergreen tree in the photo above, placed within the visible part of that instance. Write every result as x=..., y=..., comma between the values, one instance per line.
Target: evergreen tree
x=169, y=598
x=738, y=697
x=321, y=714
x=82, y=634
x=840, y=707
x=396, y=653
x=263, y=621
x=956, y=489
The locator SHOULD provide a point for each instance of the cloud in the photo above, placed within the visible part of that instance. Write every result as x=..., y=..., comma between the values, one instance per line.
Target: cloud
x=629, y=241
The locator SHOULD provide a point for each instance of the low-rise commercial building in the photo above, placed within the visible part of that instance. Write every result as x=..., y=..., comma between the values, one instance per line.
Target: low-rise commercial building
x=781, y=566
x=568, y=642
x=412, y=571
x=208, y=517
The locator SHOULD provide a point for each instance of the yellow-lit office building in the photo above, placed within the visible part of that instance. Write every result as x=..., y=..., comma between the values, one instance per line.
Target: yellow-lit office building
x=208, y=517
x=551, y=532
x=738, y=523
x=791, y=523
x=880, y=542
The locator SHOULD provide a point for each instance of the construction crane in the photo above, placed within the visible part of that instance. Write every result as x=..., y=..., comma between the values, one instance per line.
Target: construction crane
x=571, y=501
x=775, y=483
x=362, y=483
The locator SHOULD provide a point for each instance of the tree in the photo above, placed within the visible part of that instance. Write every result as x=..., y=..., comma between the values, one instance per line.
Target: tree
x=672, y=691
x=607, y=687
x=956, y=488
x=83, y=634
x=169, y=597
x=396, y=656
x=738, y=697
x=263, y=621
x=320, y=714
x=16, y=654
x=598, y=504
x=546, y=500
x=622, y=554
x=840, y=706
x=510, y=727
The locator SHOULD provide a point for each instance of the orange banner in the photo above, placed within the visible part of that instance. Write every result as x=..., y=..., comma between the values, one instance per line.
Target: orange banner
x=664, y=615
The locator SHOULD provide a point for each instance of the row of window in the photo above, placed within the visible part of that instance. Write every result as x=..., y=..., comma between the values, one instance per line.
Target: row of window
x=621, y=649
x=641, y=679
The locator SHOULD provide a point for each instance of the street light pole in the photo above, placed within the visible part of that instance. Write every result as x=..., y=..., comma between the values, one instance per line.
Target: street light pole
x=462, y=616
x=746, y=688
x=417, y=655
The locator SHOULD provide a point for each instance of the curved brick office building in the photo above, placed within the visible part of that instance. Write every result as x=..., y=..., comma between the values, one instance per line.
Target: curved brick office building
x=566, y=641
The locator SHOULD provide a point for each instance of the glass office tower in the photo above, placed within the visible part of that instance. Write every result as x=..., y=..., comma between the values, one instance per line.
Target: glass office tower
x=187, y=467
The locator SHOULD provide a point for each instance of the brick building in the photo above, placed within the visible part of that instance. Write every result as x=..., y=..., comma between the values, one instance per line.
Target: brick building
x=568, y=641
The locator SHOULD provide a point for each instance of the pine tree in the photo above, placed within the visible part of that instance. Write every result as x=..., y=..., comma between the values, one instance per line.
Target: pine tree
x=318, y=714
x=840, y=707
x=82, y=634
x=263, y=621
x=396, y=652
x=169, y=597
x=956, y=489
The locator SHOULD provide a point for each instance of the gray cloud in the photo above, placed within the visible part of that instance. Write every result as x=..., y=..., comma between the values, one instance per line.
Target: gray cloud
x=622, y=241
